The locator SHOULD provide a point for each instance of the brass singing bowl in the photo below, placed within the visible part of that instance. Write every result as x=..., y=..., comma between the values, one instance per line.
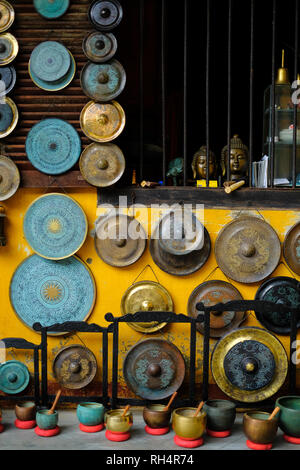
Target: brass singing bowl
x=186, y=425
x=25, y=411
x=155, y=417
x=257, y=427
x=115, y=422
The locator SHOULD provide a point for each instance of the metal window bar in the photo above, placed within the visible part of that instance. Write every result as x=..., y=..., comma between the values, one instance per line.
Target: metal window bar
x=272, y=162
x=208, y=13
x=141, y=78
x=185, y=91
x=251, y=97
x=163, y=88
x=295, y=116
x=229, y=78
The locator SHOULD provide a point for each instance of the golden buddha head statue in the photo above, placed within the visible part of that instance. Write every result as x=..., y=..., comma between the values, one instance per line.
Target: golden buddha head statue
x=199, y=164
x=239, y=159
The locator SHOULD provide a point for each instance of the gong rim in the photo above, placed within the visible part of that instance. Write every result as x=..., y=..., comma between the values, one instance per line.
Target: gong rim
x=255, y=277
x=61, y=84
x=44, y=14
x=16, y=182
x=24, y=370
x=15, y=119
x=12, y=82
x=15, y=48
x=92, y=135
x=89, y=66
x=153, y=326
x=177, y=356
x=11, y=12
x=93, y=58
x=108, y=27
x=287, y=253
x=232, y=338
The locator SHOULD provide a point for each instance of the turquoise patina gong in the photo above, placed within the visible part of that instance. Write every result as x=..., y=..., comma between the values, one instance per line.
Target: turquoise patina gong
x=14, y=377
x=51, y=9
x=50, y=61
x=57, y=85
x=53, y=146
x=50, y=292
x=55, y=226
x=103, y=82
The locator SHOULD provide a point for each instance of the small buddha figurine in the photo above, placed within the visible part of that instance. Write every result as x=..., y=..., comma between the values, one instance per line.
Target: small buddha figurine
x=239, y=160
x=199, y=166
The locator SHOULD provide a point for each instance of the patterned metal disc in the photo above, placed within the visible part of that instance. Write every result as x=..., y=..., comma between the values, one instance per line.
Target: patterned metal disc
x=74, y=367
x=55, y=226
x=249, y=364
x=105, y=14
x=7, y=15
x=146, y=296
x=280, y=290
x=247, y=250
x=9, y=48
x=50, y=61
x=102, y=122
x=53, y=146
x=154, y=369
x=51, y=9
x=115, y=240
x=103, y=82
x=59, y=84
x=51, y=292
x=99, y=47
x=9, y=178
x=9, y=116
x=8, y=79
x=14, y=377
x=212, y=293
x=291, y=248
x=102, y=165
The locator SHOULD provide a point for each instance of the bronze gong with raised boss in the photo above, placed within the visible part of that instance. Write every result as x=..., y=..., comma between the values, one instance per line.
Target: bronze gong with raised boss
x=74, y=367
x=291, y=248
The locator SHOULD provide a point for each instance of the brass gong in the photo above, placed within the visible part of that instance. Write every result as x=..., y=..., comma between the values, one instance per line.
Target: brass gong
x=74, y=367
x=154, y=369
x=146, y=296
x=102, y=122
x=7, y=15
x=291, y=248
x=120, y=240
x=9, y=48
x=9, y=116
x=249, y=364
x=247, y=250
x=211, y=293
x=102, y=165
x=9, y=178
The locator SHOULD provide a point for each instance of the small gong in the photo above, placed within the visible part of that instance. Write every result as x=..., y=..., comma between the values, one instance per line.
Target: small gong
x=9, y=178
x=100, y=47
x=102, y=122
x=7, y=15
x=291, y=248
x=74, y=367
x=8, y=78
x=103, y=82
x=14, y=377
x=105, y=15
x=9, y=116
x=51, y=9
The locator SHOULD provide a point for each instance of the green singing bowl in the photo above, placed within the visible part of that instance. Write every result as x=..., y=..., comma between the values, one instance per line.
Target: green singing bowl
x=186, y=425
x=115, y=422
x=45, y=421
x=155, y=417
x=220, y=414
x=90, y=413
x=289, y=415
x=258, y=429
x=25, y=411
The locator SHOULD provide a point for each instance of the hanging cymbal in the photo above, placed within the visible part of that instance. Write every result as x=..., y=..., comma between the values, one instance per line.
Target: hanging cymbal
x=102, y=122
x=9, y=178
x=9, y=116
x=211, y=293
x=7, y=15
x=74, y=367
x=99, y=47
x=114, y=240
x=102, y=165
x=146, y=296
x=291, y=248
x=154, y=369
x=9, y=48
x=249, y=364
x=247, y=250
x=103, y=82
x=105, y=14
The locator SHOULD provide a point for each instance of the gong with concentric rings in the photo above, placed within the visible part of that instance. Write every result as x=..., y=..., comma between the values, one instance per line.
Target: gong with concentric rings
x=99, y=47
x=7, y=15
x=103, y=82
x=51, y=9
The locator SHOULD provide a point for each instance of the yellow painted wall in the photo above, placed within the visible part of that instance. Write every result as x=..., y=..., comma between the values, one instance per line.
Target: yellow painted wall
x=112, y=282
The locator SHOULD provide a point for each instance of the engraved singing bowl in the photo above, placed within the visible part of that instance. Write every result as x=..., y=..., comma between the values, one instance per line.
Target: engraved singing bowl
x=25, y=411
x=186, y=425
x=258, y=429
x=155, y=417
x=115, y=422
x=289, y=415
x=220, y=414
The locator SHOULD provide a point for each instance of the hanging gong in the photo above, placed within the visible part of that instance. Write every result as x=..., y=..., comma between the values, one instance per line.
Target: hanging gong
x=74, y=367
x=247, y=250
x=291, y=248
x=51, y=9
x=14, y=377
x=102, y=122
x=280, y=290
x=9, y=178
x=55, y=226
x=100, y=47
x=120, y=240
x=249, y=364
x=146, y=296
x=177, y=251
x=7, y=15
x=154, y=369
x=9, y=116
x=51, y=292
x=105, y=15
x=50, y=61
x=9, y=48
x=102, y=165
x=103, y=82
x=211, y=293
x=8, y=79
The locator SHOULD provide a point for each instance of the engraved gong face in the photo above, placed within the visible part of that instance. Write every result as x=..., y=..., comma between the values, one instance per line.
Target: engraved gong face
x=9, y=178
x=105, y=15
x=99, y=46
x=74, y=367
x=102, y=122
x=51, y=9
x=14, y=377
x=7, y=15
x=103, y=82
x=291, y=248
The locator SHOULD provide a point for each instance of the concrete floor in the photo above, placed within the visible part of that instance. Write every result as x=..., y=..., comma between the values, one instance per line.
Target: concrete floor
x=71, y=438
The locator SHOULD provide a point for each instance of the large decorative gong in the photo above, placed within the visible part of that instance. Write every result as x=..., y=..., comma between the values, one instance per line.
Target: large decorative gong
x=51, y=9
x=280, y=290
x=146, y=296
x=14, y=377
x=211, y=293
x=154, y=369
x=103, y=82
x=247, y=250
x=9, y=178
x=102, y=122
x=53, y=146
x=99, y=47
x=51, y=292
x=105, y=15
x=74, y=367
x=249, y=364
x=291, y=248
x=120, y=240
x=102, y=165
x=55, y=226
